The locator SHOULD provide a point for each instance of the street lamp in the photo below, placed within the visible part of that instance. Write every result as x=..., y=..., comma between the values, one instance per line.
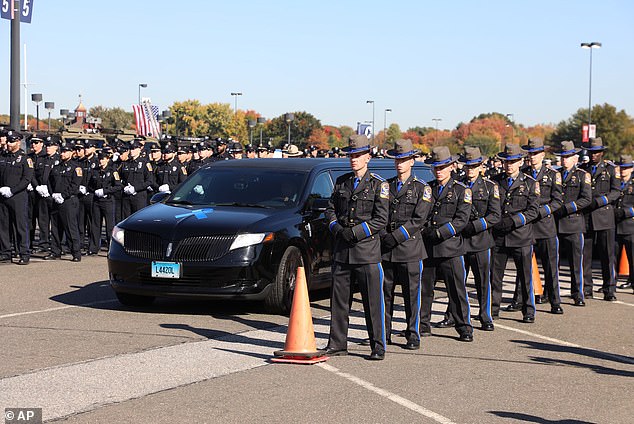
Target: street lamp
x=166, y=114
x=251, y=123
x=289, y=117
x=385, y=124
x=64, y=114
x=141, y=86
x=511, y=124
x=261, y=121
x=590, y=46
x=37, y=99
x=372, y=101
x=436, y=120
x=235, y=101
x=49, y=106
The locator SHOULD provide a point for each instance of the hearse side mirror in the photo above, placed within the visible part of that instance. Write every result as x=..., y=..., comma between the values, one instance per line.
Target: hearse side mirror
x=159, y=197
x=319, y=205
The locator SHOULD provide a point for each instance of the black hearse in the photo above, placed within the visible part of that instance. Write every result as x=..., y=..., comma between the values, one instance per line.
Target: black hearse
x=235, y=230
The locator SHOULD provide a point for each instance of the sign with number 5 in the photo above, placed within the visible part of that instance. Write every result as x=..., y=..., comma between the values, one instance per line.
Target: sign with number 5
x=25, y=14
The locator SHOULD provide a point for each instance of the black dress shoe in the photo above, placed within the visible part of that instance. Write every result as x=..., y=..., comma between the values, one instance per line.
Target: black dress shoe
x=51, y=257
x=328, y=351
x=556, y=309
x=91, y=253
x=627, y=285
x=5, y=258
x=539, y=299
x=466, y=337
x=23, y=261
x=76, y=259
x=412, y=345
x=487, y=326
x=609, y=297
x=377, y=355
x=513, y=307
x=579, y=302
x=528, y=319
x=445, y=323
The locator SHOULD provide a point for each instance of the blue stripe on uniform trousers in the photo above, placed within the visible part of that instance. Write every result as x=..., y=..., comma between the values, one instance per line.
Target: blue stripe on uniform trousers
x=418, y=298
x=531, y=293
x=488, y=287
x=382, y=307
x=557, y=267
x=581, y=267
x=464, y=284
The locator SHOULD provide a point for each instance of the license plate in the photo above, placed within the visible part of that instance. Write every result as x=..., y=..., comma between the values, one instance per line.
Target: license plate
x=166, y=270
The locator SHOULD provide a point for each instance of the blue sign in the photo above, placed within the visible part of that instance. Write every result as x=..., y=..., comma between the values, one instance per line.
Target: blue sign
x=198, y=213
x=25, y=13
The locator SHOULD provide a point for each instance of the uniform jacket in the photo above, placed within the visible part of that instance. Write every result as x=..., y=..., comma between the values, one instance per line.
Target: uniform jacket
x=41, y=168
x=626, y=202
x=138, y=173
x=88, y=166
x=16, y=171
x=449, y=215
x=65, y=179
x=107, y=179
x=171, y=173
x=606, y=188
x=485, y=213
x=365, y=210
x=577, y=195
x=544, y=225
x=408, y=211
x=520, y=202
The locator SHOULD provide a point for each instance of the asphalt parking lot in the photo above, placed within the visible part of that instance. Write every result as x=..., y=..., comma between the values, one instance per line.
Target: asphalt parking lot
x=71, y=349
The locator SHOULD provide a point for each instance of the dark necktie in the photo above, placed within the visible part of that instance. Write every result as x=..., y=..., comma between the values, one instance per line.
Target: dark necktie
x=356, y=183
x=398, y=186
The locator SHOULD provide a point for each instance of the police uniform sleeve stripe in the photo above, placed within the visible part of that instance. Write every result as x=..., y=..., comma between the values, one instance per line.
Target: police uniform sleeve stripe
x=366, y=229
x=522, y=218
x=484, y=224
x=332, y=224
x=404, y=231
x=548, y=210
x=451, y=228
x=631, y=212
x=605, y=200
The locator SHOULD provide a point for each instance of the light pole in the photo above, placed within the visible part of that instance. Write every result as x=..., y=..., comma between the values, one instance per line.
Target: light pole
x=64, y=114
x=590, y=46
x=261, y=121
x=511, y=124
x=37, y=99
x=235, y=101
x=372, y=101
x=140, y=87
x=289, y=117
x=166, y=114
x=436, y=120
x=251, y=123
x=385, y=125
x=49, y=106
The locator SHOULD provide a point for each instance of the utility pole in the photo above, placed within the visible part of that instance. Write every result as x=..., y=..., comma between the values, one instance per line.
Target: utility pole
x=14, y=111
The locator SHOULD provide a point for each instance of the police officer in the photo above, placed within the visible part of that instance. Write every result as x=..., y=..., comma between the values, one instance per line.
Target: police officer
x=104, y=182
x=577, y=195
x=16, y=172
x=198, y=161
x=40, y=166
x=87, y=160
x=41, y=176
x=250, y=151
x=136, y=176
x=624, y=215
x=64, y=184
x=448, y=217
x=513, y=235
x=544, y=226
x=123, y=154
x=236, y=150
x=221, y=150
x=169, y=173
x=402, y=243
x=600, y=225
x=357, y=212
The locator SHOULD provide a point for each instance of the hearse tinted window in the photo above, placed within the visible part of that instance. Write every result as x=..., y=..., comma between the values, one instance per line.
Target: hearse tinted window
x=322, y=186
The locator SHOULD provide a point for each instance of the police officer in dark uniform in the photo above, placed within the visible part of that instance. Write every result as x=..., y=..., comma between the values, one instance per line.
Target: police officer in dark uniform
x=236, y=150
x=136, y=176
x=123, y=153
x=357, y=212
x=104, y=182
x=624, y=215
x=402, y=243
x=544, y=227
x=89, y=163
x=169, y=173
x=198, y=161
x=577, y=195
x=600, y=225
x=16, y=172
x=513, y=235
x=445, y=248
x=40, y=166
x=221, y=150
x=41, y=176
x=64, y=184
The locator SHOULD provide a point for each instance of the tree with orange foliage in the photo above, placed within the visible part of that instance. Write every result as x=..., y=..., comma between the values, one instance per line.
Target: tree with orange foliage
x=319, y=138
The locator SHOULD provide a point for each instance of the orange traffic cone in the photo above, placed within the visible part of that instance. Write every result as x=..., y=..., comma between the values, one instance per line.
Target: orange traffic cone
x=537, y=281
x=300, y=346
x=624, y=266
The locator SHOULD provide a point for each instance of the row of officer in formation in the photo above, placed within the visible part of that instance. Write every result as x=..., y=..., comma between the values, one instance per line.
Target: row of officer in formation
x=405, y=231
x=69, y=191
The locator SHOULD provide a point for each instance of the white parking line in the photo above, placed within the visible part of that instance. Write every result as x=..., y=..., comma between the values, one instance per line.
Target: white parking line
x=623, y=303
x=59, y=308
x=389, y=395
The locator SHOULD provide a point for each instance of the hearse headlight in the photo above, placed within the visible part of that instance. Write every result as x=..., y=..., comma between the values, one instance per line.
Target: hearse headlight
x=118, y=235
x=244, y=240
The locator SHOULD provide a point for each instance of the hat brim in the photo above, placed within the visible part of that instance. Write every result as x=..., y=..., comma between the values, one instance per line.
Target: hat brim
x=596, y=148
x=448, y=161
x=574, y=151
x=504, y=156
x=393, y=154
x=533, y=149
x=350, y=150
x=476, y=161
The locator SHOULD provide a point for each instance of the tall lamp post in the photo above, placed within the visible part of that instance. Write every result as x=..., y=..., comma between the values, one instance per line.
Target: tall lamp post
x=289, y=117
x=372, y=101
x=261, y=121
x=37, y=99
x=436, y=120
x=511, y=124
x=385, y=124
x=49, y=106
x=64, y=114
x=235, y=101
x=166, y=114
x=251, y=123
x=590, y=46
x=140, y=87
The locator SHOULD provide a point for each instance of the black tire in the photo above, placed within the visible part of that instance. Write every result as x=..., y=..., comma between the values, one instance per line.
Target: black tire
x=280, y=297
x=128, y=299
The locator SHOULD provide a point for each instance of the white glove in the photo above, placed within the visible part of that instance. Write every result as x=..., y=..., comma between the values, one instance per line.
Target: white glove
x=42, y=190
x=58, y=198
x=149, y=189
x=165, y=188
x=198, y=189
x=115, y=157
x=6, y=192
x=99, y=192
x=129, y=190
x=29, y=187
x=82, y=190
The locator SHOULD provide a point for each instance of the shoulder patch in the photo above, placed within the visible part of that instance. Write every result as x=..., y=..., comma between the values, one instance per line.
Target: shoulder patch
x=496, y=191
x=468, y=196
x=149, y=166
x=116, y=176
x=558, y=178
x=538, y=190
x=588, y=178
x=29, y=162
x=385, y=190
x=427, y=193
x=79, y=172
x=184, y=170
x=377, y=176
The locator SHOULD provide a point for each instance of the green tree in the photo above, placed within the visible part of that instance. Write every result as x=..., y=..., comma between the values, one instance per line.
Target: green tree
x=393, y=134
x=301, y=126
x=115, y=118
x=488, y=144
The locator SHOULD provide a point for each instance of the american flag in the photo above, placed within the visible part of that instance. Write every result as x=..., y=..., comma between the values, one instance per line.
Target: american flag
x=146, y=117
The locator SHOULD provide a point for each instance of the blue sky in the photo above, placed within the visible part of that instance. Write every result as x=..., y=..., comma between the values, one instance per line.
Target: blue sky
x=422, y=59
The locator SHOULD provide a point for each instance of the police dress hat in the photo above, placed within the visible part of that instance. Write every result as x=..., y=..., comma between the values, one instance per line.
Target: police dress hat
x=535, y=144
x=66, y=147
x=293, y=151
x=236, y=147
x=471, y=156
x=220, y=140
x=262, y=148
x=596, y=145
x=357, y=143
x=440, y=155
x=567, y=148
x=103, y=155
x=169, y=148
x=52, y=140
x=134, y=144
x=13, y=136
x=403, y=149
x=511, y=152
x=625, y=161
x=249, y=148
